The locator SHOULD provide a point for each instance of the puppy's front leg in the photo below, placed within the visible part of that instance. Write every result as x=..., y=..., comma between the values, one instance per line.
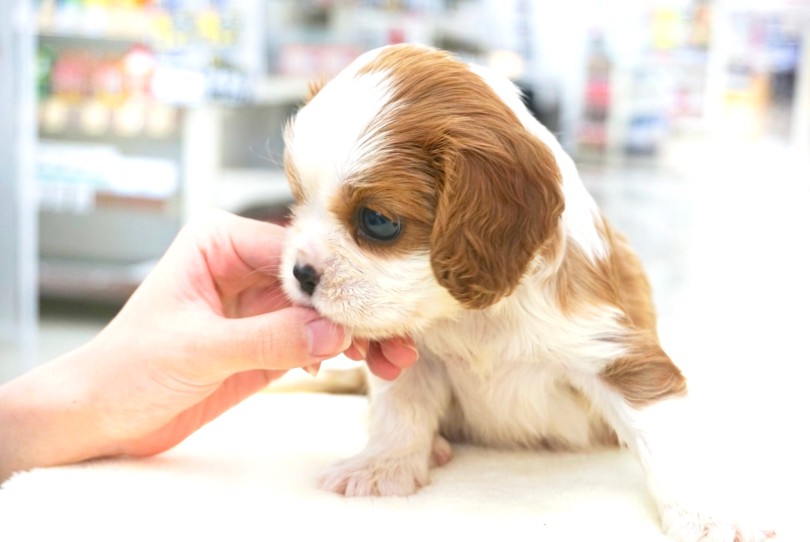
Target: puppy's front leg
x=403, y=432
x=643, y=396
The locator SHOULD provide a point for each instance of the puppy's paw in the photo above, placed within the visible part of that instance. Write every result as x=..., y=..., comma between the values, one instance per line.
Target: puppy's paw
x=440, y=452
x=377, y=475
x=684, y=525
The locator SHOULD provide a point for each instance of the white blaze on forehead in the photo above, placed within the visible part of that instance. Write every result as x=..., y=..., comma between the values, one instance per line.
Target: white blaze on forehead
x=326, y=138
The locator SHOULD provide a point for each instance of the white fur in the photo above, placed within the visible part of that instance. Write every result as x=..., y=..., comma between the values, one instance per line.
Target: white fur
x=519, y=373
x=371, y=295
x=332, y=150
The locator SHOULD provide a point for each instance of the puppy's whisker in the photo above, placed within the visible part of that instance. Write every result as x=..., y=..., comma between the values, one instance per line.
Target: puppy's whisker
x=268, y=156
x=276, y=160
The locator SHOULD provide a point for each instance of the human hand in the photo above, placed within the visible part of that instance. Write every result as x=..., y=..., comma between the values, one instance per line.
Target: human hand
x=208, y=327
x=225, y=328
x=386, y=359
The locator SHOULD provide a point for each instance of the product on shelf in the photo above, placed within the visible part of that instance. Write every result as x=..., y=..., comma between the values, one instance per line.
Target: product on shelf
x=78, y=177
x=118, y=47
x=593, y=129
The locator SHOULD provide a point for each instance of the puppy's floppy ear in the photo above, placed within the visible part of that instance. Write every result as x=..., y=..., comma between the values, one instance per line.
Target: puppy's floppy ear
x=499, y=201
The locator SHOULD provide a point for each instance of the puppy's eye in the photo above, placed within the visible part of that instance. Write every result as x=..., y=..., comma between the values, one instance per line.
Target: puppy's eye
x=377, y=226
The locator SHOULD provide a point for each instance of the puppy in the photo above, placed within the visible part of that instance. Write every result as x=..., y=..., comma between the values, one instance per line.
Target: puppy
x=430, y=203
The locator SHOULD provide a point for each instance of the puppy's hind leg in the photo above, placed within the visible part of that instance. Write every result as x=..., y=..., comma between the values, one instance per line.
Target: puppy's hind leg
x=642, y=394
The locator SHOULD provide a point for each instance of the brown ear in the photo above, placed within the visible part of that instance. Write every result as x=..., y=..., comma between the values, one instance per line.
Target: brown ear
x=500, y=200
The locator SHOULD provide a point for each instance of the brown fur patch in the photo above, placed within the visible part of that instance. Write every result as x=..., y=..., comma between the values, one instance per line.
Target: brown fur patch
x=494, y=188
x=646, y=374
x=618, y=280
x=580, y=283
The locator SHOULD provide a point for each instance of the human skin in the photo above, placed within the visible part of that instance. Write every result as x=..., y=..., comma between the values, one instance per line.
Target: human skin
x=207, y=328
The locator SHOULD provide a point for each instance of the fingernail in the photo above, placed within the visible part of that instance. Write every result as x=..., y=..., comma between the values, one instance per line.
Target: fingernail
x=326, y=339
x=313, y=369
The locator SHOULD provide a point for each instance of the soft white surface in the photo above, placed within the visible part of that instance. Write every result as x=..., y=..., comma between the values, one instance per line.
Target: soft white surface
x=252, y=474
x=726, y=239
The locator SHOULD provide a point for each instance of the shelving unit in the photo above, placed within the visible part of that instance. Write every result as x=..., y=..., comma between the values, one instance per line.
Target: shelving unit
x=758, y=74
x=134, y=101
x=647, y=72
x=693, y=67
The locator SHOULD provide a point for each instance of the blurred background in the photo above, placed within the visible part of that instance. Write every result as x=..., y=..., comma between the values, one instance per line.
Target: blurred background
x=120, y=119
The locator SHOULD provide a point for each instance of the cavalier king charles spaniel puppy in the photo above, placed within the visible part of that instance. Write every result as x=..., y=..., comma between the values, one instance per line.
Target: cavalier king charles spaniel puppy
x=431, y=203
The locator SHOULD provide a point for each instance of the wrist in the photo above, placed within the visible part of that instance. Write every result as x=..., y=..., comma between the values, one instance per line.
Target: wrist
x=47, y=418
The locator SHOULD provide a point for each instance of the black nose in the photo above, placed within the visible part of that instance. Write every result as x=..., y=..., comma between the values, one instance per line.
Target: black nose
x=307, y=277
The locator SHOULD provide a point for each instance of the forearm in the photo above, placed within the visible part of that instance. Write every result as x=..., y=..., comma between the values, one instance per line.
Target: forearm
x=47, y=418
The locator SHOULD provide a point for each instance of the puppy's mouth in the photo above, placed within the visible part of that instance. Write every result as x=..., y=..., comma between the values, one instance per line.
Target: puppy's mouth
x=346, y=314
x=358, y=324
x=362, y=318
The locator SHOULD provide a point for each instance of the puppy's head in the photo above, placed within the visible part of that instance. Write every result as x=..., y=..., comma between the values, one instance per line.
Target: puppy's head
x=418, y=194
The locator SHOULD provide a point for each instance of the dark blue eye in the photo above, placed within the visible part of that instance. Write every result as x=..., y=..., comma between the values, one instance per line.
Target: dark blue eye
x=377, y=226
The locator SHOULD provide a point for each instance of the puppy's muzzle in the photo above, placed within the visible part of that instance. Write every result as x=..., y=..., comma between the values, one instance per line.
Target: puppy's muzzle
x=307, y=278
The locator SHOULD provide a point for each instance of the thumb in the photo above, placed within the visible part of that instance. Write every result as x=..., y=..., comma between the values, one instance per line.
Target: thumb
x=280, y=340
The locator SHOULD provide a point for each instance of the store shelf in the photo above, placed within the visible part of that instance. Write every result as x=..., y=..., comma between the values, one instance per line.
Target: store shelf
x=165, y=28
x=280, y=90
x=100, y=255
x=86, y=118
x=241, y=190
x=91, y=280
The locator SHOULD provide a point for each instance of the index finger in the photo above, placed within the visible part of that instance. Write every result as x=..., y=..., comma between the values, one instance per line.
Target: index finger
x=237, y=253
x=258, y=245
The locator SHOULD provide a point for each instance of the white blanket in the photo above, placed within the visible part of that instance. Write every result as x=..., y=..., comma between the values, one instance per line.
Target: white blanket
x=252, y=475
